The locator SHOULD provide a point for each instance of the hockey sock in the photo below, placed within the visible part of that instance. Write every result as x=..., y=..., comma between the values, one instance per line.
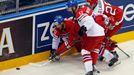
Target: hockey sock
x=94, y=57
x=87, y=59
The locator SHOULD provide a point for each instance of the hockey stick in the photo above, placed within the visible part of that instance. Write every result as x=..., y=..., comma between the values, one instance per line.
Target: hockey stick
x=123, y=52
x=49, y=61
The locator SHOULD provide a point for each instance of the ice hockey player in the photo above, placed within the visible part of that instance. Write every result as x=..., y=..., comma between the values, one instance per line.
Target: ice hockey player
x=67, y=31
x=115, y=15
x=91, y=34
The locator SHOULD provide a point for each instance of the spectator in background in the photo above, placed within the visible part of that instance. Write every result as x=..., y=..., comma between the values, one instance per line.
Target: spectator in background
x=7, y=4
x=26, y=2
x=41, y=1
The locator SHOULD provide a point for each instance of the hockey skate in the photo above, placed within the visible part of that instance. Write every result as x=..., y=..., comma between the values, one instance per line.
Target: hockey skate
x=89, y=73
x=53, y=57
x=113, y=61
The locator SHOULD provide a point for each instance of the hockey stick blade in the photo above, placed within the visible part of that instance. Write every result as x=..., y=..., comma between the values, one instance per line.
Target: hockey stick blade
x=49, y=61
x=40, y=65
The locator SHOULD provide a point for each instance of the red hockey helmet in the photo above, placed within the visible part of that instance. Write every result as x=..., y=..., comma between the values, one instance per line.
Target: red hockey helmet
x=92, y=1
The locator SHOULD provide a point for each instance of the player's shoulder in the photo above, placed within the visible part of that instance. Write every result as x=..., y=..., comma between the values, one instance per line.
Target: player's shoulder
x=71, y=22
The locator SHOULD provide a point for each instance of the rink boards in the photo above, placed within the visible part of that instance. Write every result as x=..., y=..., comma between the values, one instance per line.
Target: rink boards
x=27, y=36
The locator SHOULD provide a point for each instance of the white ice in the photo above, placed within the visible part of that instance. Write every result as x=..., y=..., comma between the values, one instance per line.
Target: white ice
x=72, y=65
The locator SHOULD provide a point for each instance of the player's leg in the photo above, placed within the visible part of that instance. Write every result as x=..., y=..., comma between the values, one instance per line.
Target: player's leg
x=111, y=47
x=55, y=44
x=87, y=59
x=109, y=57
x=86, y=53
x=90, y=43
x=95, y=53
x=109, y=34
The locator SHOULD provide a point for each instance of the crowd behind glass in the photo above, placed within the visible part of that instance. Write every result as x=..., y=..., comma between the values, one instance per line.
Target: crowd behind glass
x=9, y=6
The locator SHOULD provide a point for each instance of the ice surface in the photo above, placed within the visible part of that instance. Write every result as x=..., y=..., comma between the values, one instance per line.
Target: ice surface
x=72, y=65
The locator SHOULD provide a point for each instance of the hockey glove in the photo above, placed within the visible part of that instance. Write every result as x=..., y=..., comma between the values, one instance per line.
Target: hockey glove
x=82, y=30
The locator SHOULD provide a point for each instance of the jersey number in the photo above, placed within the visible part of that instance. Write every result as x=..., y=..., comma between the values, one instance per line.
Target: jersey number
x=109, y=10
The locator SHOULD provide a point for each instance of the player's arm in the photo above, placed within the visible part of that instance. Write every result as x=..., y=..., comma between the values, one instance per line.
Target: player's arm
x=102, y=20
x=86, y=22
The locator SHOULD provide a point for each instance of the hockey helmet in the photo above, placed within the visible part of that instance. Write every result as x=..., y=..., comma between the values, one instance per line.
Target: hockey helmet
x=72, y=3
x=92, y=2
x=58, y=19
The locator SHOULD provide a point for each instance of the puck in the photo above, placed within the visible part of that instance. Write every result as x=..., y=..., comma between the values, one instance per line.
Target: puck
x=17, y=68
